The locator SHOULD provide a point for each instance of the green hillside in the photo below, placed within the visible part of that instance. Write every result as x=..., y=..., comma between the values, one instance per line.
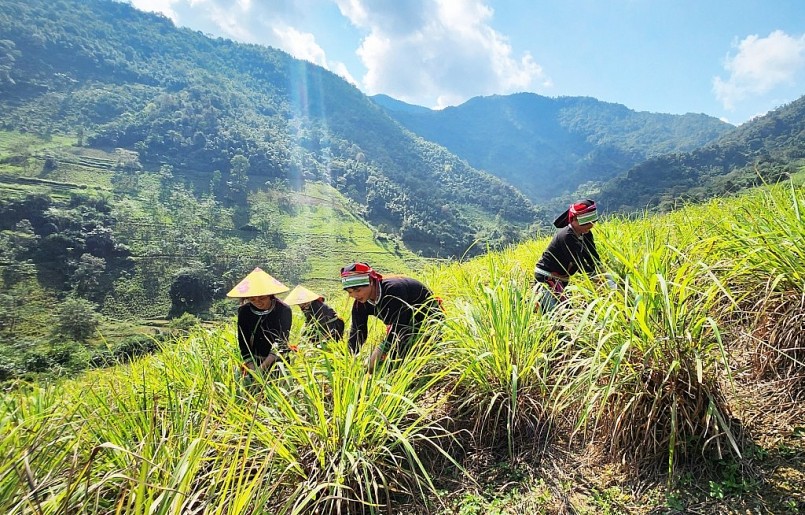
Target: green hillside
x=678, y=391
x=80, y=224
x=121, y=78
x=767, y=148
x=549, y=147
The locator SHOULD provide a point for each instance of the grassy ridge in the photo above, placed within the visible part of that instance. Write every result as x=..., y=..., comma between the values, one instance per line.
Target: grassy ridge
x=639, y=398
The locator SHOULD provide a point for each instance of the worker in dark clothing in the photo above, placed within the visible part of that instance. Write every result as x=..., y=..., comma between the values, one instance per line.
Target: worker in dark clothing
x=405, y=305
x=322, y=323
x=571, y=250
x=264, y=321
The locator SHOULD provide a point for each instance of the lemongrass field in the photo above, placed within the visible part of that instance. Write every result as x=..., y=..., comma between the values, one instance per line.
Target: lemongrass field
x=666, y=378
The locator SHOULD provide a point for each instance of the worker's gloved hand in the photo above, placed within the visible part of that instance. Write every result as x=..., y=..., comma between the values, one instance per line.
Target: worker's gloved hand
x=610, y=280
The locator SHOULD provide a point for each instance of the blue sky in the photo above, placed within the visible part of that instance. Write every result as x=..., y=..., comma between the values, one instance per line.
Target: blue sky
x=731, y=59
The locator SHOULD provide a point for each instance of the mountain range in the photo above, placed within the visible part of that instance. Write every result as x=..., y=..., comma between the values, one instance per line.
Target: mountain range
x=122, y=78
x=547, y=147
x=235, y=118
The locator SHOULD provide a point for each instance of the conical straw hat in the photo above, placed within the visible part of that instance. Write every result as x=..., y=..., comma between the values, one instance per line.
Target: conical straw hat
x=301, y=295
x=255, y=284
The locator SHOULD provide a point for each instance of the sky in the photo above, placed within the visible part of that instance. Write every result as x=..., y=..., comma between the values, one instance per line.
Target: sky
x=731, y=59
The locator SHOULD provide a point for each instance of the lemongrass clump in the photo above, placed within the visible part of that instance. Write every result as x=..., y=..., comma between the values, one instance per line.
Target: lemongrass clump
x=505, y=352
x=651, y=359
x=160, y=435
x=769, y=235
x=355, y=440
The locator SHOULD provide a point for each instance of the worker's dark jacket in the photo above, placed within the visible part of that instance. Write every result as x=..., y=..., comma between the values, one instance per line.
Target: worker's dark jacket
x=567, y=253
x=404, y=305
x=322, y=323
x=264, y=333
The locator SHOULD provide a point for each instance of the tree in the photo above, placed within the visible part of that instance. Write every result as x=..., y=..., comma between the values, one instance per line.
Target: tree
x=215, y=182
x=190, y=291
x=296, y=265
x=165, y=182
x=76, y=318
x=238, y=178
x=89, y=278
x=9, y=306
x=8, y=55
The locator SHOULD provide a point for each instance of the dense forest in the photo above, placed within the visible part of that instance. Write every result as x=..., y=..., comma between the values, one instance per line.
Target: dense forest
x=556, y=150
x=762, y=150
x=550, y=147
x=99, y=260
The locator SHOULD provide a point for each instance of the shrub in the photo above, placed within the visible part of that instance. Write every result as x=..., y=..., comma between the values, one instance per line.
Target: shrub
x=651, y=361
x=76, y=318
x=135, y=346
x=190, y=291
x=506, y=354
x=185, y=322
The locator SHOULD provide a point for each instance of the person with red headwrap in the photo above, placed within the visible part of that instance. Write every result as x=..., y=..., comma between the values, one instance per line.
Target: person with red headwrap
x=571, y=250
x=405, y=305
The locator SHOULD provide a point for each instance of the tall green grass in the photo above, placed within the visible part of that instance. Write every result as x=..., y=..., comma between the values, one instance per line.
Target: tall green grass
x=650, y=363
x=506, y=353
x=180, y=432
x=354, y=439
x=641, y=373
x=768, y=233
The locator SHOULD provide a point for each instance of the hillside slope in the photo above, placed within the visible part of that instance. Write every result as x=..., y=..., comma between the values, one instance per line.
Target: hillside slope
x=764, y=149
x=662, y=395
x=121, y=78
x=157, y=226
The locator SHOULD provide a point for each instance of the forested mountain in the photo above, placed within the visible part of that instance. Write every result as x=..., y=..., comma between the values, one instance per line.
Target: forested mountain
x=763, y=149
x=548, y=147
x=239, y=116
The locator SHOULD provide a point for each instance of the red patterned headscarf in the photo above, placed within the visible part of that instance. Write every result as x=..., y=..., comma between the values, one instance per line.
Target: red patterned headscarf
x=584, y=212
x=358, y=274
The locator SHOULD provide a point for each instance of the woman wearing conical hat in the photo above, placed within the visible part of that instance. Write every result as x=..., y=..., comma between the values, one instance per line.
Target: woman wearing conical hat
x=264, y=321
x=322, y=323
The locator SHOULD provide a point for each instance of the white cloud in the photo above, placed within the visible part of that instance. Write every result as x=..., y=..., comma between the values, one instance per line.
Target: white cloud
x=341, y=70
x=249, y=21
x=301, y=45
x=437, y=52
x=428, y=52
x=230, y=20
x=217, y=16
x=759, y=66
x=157, y=6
